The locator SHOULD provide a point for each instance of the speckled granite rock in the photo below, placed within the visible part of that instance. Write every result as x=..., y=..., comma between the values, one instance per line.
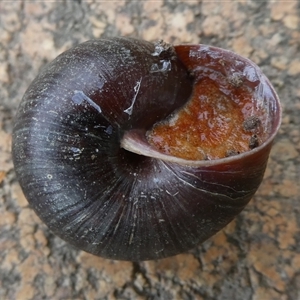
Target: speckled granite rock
x=255, y=257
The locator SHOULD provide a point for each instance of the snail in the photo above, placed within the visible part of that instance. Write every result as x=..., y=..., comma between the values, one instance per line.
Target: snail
x=133, y=150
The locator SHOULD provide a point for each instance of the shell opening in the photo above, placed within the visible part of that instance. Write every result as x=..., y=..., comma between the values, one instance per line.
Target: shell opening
x=213, y=124
x=228, y=113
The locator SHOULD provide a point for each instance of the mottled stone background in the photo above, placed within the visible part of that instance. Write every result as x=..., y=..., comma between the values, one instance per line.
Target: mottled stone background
x=257, y=256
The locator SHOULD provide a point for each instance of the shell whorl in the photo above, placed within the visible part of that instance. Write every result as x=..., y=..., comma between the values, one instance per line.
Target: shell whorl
x=101, y=197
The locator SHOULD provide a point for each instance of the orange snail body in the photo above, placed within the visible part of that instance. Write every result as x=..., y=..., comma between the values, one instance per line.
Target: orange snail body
x=89, y=154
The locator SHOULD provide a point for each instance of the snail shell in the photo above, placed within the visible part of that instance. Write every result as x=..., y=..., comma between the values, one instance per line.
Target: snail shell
x=87, y=169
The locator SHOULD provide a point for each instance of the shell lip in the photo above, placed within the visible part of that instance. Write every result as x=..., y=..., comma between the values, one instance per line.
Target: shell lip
x=135, y=141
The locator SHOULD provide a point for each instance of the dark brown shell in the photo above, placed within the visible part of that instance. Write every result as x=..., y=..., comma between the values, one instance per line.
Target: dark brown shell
x=100, y=97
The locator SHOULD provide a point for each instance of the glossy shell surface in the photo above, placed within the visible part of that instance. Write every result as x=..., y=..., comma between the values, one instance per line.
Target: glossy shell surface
x=134, y=204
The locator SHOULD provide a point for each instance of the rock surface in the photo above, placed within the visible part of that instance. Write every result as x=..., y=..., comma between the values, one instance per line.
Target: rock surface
x=257, y=256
